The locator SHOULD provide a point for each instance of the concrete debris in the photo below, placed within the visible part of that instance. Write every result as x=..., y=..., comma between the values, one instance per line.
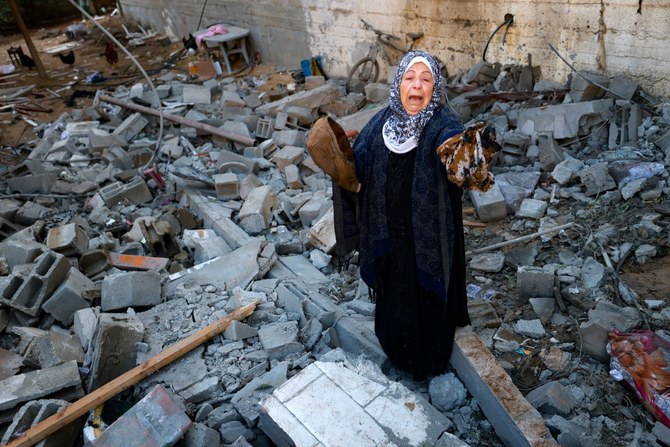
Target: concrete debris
x=113, y=249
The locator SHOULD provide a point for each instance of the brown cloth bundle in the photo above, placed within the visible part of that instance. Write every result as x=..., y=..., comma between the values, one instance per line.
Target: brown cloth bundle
x=467, y=157
x=330, y=148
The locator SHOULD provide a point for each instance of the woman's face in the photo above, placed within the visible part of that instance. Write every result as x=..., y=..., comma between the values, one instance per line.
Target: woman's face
x=416, y=88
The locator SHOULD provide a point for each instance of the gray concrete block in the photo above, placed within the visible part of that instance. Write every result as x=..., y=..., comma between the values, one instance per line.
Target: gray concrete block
x=488, y=262
x=532, y=208
x=490, y=205
x=27, y=292
x=40, y=383
x=21, y=252
x=290, y=137
x=210, y=248
x=584, y=88
x=68, y=298
x=35, y=412
x=227, y=186
x=114, y=347
x=130, y=289
x=239, y=331
x=131, y=126
x=256, y=213
x=300, y=266
x=52, y=349
x=597, y=179
x=236, y=269
x=567, y=170
x=377, y=93
x=196, y=94
x=84, y=324
x=99, y=139
x=534, y=282
x=552, y=398
x=201, y=435
x=564, y=120
x=280, y=339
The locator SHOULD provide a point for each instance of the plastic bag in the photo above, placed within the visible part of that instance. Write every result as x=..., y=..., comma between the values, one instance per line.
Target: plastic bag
x=642, y=359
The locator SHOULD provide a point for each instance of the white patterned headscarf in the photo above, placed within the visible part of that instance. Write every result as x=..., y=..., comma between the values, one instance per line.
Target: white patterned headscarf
x=402, y=130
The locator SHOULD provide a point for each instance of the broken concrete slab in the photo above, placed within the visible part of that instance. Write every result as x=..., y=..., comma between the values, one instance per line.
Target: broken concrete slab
x=512, y=416
x=565, y=120
x=332, y=405
x=59, y=381
x=236, y=269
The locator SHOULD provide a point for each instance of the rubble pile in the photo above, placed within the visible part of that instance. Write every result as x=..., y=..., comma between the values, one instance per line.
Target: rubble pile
x=121, y=238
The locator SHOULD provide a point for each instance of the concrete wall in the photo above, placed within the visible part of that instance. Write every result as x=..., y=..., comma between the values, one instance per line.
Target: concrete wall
x=609, y=35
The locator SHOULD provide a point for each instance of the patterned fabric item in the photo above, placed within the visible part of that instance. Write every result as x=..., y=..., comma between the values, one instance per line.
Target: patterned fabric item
x=401, y=126
x=468, y=155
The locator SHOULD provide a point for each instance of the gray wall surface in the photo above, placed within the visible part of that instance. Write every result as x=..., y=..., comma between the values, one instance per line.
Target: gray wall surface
x=619, y=37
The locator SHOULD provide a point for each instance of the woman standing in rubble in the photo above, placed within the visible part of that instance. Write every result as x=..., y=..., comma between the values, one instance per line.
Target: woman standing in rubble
x=406, y=221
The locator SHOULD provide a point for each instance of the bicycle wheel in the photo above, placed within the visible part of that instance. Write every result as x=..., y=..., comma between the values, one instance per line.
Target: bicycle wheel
x=366, y=70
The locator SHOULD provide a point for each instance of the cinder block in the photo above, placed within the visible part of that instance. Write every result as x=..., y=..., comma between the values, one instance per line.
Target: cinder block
x=322, y=233
x=27, y=292
x=114, y=348
x=31, y=212
x=21, y=252
x=35, y=412
x=130, y=289
x=289, y=155
x=256, y=213
x=159, y=237
x=291, y=137
x=552, y=398
x=84, y=323
x=117, y=157
x=68, y=298
x=293, y=180
x=68, y=240
x=313, y=209
x=534, y=282
x=63, y=379
x=137, y=191
x=99, y=139
x=227, y=186
x=265, y=128
x=52, y=349
x=30, y=184
x=490, y=205
x=131, y=126
x=112, y=194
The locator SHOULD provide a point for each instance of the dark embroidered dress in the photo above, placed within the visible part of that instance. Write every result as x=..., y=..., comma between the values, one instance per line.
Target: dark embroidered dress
x=411, y=244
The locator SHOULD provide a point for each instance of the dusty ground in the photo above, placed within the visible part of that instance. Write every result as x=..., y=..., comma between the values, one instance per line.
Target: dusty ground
x=47, y=101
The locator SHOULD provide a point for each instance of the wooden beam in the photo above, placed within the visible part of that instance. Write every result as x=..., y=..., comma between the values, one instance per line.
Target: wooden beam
x=181, y=120
x=68, y=414
x=26, y=36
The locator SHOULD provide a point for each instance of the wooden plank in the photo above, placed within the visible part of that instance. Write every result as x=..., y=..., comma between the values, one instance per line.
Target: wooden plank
x=181, y=120
x=53, y=423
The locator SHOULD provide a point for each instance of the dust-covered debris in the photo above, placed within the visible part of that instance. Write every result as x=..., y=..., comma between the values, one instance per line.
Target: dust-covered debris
x=120, y=238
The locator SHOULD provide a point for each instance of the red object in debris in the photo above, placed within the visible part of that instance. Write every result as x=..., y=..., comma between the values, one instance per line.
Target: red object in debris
x=640, y=357
x=136, y=262
x=158, y=178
